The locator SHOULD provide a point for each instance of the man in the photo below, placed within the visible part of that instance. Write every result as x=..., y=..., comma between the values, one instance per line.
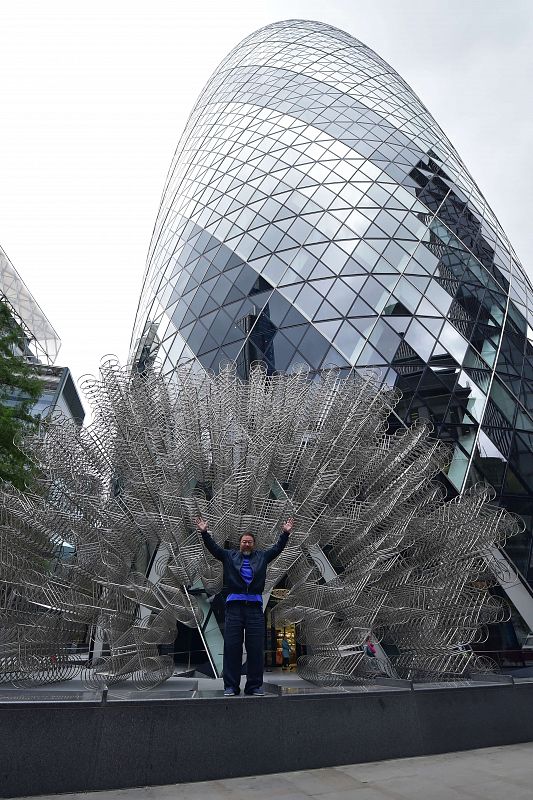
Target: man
x=244, y=583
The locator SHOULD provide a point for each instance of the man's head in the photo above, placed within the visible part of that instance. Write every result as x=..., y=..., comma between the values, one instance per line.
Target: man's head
x=246, y=543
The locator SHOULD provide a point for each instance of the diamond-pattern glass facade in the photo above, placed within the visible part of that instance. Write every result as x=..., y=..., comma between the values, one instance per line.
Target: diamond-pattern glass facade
x=315, y=213
x=42, y=340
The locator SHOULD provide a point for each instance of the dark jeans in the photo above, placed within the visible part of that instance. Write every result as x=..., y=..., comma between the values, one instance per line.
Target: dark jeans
x=244, y=621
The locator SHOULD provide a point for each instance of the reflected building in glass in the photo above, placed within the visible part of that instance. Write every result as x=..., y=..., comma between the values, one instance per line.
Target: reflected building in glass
x=315, y=213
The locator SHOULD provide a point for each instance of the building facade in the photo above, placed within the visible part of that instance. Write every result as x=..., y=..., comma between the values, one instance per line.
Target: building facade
x=41, y=346
x=315, y=213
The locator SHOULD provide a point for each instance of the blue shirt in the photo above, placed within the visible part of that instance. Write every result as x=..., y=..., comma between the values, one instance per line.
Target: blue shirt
x=247, y=575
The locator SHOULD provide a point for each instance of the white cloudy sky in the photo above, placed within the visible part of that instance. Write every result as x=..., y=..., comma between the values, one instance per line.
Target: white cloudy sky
x=94, y=96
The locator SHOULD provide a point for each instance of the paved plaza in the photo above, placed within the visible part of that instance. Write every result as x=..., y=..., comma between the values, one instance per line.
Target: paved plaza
x=494, y=773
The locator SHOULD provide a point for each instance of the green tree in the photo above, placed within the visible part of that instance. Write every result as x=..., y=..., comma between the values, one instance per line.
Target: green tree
x=20, y=388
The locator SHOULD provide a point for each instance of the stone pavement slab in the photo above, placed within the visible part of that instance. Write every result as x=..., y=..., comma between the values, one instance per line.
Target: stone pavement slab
x=494, y=773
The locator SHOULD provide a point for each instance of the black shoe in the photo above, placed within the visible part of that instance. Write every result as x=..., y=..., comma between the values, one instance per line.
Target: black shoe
x=230, y=692
x=259, y=692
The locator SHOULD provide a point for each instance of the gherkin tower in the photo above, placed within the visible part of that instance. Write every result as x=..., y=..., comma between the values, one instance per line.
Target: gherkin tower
x=315, y=213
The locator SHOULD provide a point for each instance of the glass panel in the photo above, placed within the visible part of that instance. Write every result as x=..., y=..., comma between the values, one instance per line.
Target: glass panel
x=384, y=340
x=347, y=340
x=308, y=300
x=453, y=342
x=341, y=297
x=420, y=339
x=313, y=347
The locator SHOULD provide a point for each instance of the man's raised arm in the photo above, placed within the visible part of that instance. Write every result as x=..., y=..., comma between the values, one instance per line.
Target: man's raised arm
x=276, y=549
x=215, y=549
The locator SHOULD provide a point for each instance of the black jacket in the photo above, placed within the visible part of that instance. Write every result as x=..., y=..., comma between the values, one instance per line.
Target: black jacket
x=232, y=561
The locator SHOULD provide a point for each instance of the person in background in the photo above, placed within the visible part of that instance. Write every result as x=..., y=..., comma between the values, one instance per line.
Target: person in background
x=286, y=653
x=244, y=583
x=370, y=648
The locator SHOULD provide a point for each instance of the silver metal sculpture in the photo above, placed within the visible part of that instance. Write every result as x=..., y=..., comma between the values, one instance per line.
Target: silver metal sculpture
x=109, y=542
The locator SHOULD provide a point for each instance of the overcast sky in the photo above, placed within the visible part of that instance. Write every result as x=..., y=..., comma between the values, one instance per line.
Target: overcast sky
x=94, y=97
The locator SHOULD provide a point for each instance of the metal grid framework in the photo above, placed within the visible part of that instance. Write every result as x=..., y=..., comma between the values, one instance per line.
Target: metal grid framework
x=315, y=213
x=245, y=454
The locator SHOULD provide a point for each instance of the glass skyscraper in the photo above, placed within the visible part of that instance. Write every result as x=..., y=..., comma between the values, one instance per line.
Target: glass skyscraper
x=315, y=213
x=41, y=347
x=42, y=341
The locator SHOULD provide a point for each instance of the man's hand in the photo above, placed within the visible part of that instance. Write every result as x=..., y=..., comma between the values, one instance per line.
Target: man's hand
x=288, y=526
x=201, y=525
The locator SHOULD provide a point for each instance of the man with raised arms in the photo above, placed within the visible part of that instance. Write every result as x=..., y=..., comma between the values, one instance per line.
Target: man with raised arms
x=244, y=582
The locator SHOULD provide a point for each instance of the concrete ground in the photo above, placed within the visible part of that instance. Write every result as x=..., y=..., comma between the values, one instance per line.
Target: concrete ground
x=495, y=773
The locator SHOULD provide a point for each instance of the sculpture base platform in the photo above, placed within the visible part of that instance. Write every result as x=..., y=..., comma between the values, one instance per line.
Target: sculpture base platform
x=67, y=739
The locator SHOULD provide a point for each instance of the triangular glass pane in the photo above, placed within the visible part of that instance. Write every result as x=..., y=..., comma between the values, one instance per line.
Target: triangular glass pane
x=328, y=329
x=369, y=356
x=326, y=311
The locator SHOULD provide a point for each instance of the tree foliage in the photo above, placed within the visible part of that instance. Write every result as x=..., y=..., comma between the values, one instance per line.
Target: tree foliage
x=20, y=388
